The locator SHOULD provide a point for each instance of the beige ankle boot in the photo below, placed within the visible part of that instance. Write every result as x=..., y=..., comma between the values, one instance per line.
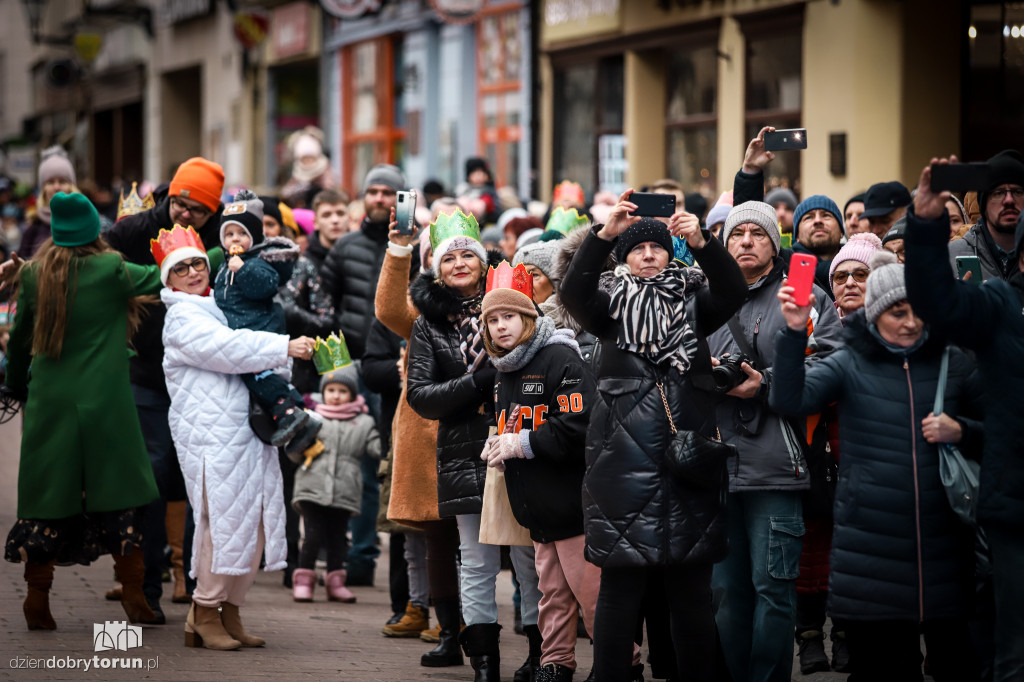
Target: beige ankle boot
x=233, y=624
x=203, y=628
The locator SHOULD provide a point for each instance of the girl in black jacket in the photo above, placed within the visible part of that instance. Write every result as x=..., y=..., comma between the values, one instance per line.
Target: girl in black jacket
x=642, y=525
x=541, y=370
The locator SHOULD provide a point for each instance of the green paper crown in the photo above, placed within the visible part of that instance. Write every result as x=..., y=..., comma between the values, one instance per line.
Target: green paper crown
x=458, y=224
x=331, y=354
x=565, y=221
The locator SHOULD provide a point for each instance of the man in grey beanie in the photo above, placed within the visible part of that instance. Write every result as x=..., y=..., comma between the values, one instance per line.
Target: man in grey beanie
x=784, y=202
x=768, y=479
x=349, y=275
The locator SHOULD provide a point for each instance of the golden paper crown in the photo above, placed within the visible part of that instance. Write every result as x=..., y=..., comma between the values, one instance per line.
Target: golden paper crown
x=507, y=277
x=564, y=220
x=169, y=241
x=132, y=204
x=331, y=354
x=458, y=224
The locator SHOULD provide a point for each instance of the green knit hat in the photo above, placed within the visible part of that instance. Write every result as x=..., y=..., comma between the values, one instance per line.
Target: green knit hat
x=74, y=221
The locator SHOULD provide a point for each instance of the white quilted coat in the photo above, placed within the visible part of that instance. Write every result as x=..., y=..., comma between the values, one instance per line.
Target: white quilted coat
x=209, y=421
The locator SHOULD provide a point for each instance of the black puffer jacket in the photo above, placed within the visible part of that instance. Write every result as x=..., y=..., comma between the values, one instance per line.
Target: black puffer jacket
x=635, y=513
x=349, y=275
x=898, y=552
x=131, y=237
x=439, y=388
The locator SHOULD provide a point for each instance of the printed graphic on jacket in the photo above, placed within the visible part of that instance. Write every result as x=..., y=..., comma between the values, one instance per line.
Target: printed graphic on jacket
x=536, y=414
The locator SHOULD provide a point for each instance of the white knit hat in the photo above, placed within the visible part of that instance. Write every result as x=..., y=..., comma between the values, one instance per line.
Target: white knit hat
x=886, y=285
x=758, y=213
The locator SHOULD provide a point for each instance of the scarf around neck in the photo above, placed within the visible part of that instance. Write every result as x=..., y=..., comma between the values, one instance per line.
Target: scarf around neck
x=653, y=315
x=471, y=333
x=344, y=411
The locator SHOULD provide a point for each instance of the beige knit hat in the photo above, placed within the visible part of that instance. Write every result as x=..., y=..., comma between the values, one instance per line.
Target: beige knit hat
x=507, y=299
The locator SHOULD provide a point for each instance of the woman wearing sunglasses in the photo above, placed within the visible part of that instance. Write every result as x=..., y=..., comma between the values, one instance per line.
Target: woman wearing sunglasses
x=849, y=272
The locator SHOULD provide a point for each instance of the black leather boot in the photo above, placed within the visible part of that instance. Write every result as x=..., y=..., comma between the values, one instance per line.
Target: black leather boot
x=527, y=671
x=480, y=642
x=447, y=652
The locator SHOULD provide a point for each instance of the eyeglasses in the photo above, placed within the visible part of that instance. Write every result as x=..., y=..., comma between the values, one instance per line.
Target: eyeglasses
x=194, y=211
x=1001, y=192
x=181, y=269
x=859, y=275
x=756, y=233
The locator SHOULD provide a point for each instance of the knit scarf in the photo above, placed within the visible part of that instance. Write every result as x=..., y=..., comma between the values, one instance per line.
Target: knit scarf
x=653, y=315
x=471, y=333
x=545, y=335
x=345, y=411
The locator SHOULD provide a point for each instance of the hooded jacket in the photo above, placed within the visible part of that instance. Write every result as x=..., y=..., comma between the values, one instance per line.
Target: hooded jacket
x=635, y=513
x=770, y=447
x=247, y=299
x=131, y=236
x=440, y=388
x=335, y=477
x=555, y=391
x=978, y=242
x=209, y=420
x=898, y=551
x=988, y=320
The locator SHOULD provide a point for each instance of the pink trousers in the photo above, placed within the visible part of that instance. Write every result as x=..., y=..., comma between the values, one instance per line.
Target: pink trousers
x=213, y=588
x=565, y=579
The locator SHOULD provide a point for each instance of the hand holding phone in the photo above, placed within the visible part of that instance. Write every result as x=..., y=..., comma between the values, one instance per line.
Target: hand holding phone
x=968, y=268
x=801, y=276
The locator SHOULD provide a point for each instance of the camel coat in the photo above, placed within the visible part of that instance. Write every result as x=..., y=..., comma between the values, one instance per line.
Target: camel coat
x=414, y=439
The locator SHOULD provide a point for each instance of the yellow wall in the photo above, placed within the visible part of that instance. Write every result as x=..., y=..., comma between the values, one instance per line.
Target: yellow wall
x=644, y=118
x=731, y=83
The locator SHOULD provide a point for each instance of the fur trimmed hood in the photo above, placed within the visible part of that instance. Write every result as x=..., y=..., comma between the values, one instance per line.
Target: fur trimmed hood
x=436, y=302
x=276, y=249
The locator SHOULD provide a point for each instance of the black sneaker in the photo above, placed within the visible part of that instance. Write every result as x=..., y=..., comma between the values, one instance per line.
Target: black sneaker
x=812, y=652
x=287, y=425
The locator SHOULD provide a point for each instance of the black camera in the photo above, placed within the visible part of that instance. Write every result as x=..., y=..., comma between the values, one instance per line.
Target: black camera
x=728, y=375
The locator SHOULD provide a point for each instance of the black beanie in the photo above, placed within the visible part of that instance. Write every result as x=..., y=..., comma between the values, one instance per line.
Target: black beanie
x=247, y=211
x=271, y=208
x=475, y=163
x=647, y=230
x=1005, y=167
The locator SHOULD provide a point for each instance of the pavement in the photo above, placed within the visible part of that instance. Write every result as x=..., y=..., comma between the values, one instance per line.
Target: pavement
x=321, y=640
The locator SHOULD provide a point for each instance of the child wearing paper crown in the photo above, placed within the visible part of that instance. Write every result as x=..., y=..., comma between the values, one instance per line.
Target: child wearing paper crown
x=329, y=489
x=541, y=371
x=244, y=290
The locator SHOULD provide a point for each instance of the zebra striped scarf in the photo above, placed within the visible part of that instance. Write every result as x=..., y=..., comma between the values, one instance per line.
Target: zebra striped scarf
x=653, y=315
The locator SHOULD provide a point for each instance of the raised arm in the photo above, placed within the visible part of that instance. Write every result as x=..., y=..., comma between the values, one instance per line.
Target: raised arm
x=726, y=290
x=391, y=302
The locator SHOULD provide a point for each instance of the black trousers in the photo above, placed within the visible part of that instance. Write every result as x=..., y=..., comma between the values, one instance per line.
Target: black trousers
x=442, y=550
x=398, y=574
x=324, y=527
x=890, y=651
x=687, y=592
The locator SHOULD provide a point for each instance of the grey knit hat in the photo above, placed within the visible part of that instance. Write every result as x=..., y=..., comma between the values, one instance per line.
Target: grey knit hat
x=346, y=376
x=886, y=285
x=54, y=163
x=539, y=254
x=781, y=195
x=758, y=213
x=385, y=174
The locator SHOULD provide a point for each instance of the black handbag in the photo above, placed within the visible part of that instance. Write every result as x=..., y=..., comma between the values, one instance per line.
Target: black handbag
x=693, y=458
x=261, y=422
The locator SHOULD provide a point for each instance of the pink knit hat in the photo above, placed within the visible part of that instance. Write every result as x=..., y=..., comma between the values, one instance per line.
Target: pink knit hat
x=859, y=248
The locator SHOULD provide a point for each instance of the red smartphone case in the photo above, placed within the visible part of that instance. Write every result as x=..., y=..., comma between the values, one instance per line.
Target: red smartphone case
x=801, y=276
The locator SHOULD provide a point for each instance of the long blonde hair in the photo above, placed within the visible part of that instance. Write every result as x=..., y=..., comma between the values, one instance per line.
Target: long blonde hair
x=56, y=269
x=529, y=327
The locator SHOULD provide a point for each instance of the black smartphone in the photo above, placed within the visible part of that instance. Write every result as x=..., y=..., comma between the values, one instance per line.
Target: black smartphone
x=971, y=264
x=960, y=177
x=405, y=211
x=653, y=204
x=782, y=140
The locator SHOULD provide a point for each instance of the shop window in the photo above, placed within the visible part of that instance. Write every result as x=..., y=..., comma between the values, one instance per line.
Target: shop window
x=774, y=90
x=373, y=128
x=499, y=83
x=580, y=127
x=691, y=119
x=992, y=95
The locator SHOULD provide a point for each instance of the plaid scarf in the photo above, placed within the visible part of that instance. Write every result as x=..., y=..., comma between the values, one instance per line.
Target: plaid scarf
x=471, y=333
x=653, y=315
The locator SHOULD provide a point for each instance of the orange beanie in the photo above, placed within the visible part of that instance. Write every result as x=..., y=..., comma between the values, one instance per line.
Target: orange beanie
x=199, y=180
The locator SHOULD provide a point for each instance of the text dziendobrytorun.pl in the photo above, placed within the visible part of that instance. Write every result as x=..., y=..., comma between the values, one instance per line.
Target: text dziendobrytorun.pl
x=84, y=664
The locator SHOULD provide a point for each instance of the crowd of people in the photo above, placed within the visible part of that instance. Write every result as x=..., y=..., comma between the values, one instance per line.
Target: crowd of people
x=642, y=409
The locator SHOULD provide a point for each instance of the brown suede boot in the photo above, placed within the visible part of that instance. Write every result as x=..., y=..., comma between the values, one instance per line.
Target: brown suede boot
x=203, y=628
x=174, y=523
x=130, y=571
x=39, y=578
x=233, y=624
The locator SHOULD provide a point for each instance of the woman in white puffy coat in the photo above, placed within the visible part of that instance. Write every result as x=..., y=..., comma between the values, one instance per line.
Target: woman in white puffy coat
x=233, y=479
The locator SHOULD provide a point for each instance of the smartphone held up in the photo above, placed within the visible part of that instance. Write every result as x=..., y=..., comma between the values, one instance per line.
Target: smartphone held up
x=405, y=211
x=801, y=276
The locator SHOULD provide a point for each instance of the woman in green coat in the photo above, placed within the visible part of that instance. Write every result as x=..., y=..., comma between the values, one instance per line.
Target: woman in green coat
x=84, y=473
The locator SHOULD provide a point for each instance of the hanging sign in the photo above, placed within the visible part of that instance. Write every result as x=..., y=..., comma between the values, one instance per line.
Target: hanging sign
x=350, y=9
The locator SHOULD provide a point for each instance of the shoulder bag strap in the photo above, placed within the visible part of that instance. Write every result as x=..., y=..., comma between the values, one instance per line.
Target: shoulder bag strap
x=940, y=389
x=736, y=329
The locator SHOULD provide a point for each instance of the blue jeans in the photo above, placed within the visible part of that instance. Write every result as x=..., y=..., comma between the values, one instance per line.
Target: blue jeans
x=756, y=584
x=153, y=408
x=1007, y=565
x=480, y=567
